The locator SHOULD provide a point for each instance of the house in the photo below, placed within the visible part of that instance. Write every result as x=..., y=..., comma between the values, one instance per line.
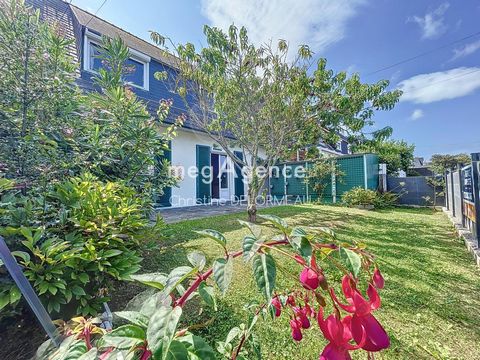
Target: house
x=205, y=171
x=191, y=148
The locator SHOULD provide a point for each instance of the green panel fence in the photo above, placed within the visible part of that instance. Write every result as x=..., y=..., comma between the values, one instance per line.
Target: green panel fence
x=359, y=170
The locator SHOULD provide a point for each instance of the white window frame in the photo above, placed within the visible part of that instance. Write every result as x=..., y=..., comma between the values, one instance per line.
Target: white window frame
x=92, y=38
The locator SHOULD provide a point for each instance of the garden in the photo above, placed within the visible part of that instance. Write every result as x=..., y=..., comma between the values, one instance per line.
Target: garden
x=80, y=172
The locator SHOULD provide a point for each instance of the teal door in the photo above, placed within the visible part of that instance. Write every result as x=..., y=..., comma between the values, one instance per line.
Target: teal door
x=204, y=193
x=239, y=186
x=164, y=200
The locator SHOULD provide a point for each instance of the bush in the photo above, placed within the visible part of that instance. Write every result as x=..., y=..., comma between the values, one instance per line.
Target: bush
x=364, y=197
x=359, y=196
x=73, y=241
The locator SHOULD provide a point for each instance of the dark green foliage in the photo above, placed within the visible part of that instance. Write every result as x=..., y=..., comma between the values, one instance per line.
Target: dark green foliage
x=123, y=141
x=38, y=100
x=441, y=163
x=76, y=239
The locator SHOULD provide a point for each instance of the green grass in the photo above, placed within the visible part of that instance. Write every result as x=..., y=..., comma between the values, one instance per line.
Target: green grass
x=430, y=303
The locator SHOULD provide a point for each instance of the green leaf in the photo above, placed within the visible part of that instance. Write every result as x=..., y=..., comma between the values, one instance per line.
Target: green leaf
x=111, y=253
x=207, y=293
x=250, y=246
x=91, y=355
x=133, y=317
x=23, y=255
x=125, y=336
x=15, y=294
x=156, y=280
x=176, y=351
x=4, y=300
x=27, y=233
x=77, y=290
x=197, y=347
x=215, y=235
x=197, y=259
x=177, y=276
x=277, y=222
x=161, y=329
x=223, y=273
x=302, y=246
x=352, y=260
x=264, y=271
x=254, y=228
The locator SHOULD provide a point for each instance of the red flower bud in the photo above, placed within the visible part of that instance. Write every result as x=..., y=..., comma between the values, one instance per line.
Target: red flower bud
x=309, y=279
x=277, y=305
x=378, y=279
x=291, y=300
x=296, y=332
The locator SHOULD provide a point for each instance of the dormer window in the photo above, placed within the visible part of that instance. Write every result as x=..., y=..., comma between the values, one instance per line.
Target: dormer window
x=137, y=66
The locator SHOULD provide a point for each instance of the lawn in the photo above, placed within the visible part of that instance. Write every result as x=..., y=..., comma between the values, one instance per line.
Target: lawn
x=430, y=302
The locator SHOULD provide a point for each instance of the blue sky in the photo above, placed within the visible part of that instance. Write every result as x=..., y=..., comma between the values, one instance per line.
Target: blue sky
x=439, y=111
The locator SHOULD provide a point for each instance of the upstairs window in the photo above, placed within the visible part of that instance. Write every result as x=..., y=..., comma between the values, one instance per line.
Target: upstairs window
x=136, y=67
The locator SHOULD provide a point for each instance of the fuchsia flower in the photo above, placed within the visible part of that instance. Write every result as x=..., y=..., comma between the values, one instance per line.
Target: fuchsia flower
x=338, y=333
x=295, y=325
x=302, y=318
x=277, y=305
x=363, y=323
x=309, y=279
x=377, y=279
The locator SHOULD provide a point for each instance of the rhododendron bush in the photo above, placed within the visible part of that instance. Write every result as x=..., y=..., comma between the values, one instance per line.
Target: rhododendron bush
x=342, y=311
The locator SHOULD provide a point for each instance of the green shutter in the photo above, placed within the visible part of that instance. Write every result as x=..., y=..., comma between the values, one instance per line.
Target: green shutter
x=203, y=182
x=164, y=199
x=239, y=187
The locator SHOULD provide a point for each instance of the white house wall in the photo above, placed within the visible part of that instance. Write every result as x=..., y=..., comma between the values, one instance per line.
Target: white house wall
x=184, y=153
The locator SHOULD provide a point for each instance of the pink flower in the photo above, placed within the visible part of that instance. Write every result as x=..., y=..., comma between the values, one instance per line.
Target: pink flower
x=377, y=279
x=363, y=322
x=301, y=316
x=296, y=330
x=309, y=279
x=277, y=305
x=338, y=333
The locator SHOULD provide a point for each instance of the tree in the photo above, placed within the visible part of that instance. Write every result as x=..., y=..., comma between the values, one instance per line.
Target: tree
x=441, y=163
x=244, y=96
x=397, y=154
x=342, y=104
x=124, y=142
x=38, y=99
x=256, y=99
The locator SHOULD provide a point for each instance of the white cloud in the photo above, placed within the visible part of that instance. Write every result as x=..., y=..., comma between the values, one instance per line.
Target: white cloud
x=417, y=114
x=432, y=24
x=318, y=23
x=442, y=85
x=466, y=50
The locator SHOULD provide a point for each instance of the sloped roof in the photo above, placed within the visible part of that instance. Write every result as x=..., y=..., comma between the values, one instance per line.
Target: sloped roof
x=101, y=26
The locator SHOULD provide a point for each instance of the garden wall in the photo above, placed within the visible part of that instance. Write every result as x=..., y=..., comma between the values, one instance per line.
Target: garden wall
x=413, y=190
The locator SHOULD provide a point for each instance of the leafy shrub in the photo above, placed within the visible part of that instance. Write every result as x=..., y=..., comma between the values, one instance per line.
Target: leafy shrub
x=386, y=199
x=363, y=197
x=74, y=240
x=359, y=196
x=155, y=328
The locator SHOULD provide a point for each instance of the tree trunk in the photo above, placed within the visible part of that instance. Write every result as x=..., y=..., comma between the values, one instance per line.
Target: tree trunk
x=252, y=204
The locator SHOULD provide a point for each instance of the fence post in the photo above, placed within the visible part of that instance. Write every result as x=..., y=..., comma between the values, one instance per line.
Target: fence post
x=453, y=193
x=462, y=206
x=476, y=194
x=447, y=191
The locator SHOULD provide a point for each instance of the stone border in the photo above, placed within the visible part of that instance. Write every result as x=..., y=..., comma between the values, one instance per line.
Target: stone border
x=467, y=236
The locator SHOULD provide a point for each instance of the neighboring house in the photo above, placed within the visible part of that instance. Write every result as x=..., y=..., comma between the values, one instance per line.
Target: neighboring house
x=191, y=148
x=420, y=167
